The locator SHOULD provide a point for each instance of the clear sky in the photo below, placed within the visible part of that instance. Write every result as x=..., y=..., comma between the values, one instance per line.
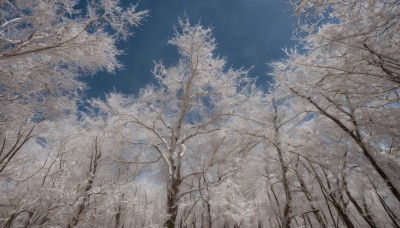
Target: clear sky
x=248, y=32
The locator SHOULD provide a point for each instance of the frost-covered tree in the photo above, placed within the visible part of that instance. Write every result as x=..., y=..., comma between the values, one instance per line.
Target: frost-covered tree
x=347, y=79
x=201, y=147
x=350, y=75
x=69, y=179
x=270, y=123
x=192, y=99
x=44, y=47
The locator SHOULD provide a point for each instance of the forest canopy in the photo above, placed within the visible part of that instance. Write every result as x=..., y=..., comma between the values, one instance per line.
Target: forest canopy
x=204, y=145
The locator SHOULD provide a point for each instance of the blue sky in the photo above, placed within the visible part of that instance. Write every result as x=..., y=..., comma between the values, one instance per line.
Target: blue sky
x=248, y=32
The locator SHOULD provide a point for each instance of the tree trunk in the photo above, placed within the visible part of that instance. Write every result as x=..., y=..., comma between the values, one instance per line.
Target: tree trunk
x=172, y=197
x=209, y=218
x=356, y=137
x=309, y=197
x=367, y=217
x=286, y=218
x=84, y=198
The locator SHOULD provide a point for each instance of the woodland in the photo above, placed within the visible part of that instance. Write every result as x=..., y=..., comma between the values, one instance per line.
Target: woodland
x=203, y=146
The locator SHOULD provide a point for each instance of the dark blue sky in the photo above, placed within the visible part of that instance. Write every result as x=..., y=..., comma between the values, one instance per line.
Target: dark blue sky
x=248, y=33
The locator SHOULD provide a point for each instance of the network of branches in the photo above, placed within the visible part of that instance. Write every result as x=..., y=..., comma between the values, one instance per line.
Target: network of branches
x=203, y=146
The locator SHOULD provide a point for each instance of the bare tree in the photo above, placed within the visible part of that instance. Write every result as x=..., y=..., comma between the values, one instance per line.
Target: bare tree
x=350, y=76
x=44, y=47
x=190, y=100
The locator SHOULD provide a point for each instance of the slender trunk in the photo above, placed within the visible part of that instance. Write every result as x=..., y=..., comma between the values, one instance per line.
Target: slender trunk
x=340, y=210
x=172, y=196
x=360, y=143
x=286, y=218
x=194, y=220
x=366, y=216
x=84, y=198
x=322, y=187
x=82, y=204
x=308, y=196
x=172, y=204
x=270, y=200
x=174, y=159
x=389, y=211
x=367, y=212
x=209, y=219
x=297, y=223
x=309, y=222
x=346, y=220
x=118, y=216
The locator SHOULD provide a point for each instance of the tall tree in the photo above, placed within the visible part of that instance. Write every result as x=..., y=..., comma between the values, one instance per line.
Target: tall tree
x=191, y=99
x=44, y=47
x=350, y=74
